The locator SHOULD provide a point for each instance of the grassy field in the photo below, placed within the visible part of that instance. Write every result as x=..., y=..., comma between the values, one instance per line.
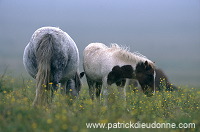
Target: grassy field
x=64, y=114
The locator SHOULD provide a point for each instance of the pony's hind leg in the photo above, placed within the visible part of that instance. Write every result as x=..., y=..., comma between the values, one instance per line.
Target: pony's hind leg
x=91, y=85
x=98, y=89
x=63, y=87
x=54, y=86
x=56, y=78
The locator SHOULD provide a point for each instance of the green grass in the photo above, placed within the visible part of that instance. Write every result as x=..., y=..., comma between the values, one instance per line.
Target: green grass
x=64, y=114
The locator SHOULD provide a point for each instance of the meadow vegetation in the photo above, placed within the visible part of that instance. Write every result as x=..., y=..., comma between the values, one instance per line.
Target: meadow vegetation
x=67, y=114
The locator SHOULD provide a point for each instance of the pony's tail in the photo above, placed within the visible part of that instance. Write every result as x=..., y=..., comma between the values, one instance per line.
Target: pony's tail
x=43, y=54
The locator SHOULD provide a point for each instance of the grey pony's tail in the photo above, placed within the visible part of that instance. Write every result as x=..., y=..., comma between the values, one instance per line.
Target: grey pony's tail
x=43, y=54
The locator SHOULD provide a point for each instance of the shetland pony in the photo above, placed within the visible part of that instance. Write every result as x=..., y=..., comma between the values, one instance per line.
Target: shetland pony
x=104, y=66
x=52, y=57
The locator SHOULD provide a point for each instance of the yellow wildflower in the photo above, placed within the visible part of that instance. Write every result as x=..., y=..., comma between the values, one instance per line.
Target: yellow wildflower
x=49, y=121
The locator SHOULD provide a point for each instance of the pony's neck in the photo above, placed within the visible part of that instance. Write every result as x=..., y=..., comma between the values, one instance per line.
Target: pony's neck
x=131, y=58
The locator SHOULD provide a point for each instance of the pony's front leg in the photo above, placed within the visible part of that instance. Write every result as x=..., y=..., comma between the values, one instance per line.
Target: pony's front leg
x=122, y=92
x=54, y=87
x=105, y=92
x=125, y=88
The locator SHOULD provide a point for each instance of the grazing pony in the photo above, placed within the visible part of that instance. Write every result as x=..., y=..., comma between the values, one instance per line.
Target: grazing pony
x=52, y=57
x=107, y=65
x=161, y=82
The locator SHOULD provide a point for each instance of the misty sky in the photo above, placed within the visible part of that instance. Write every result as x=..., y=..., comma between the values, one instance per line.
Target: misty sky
x=166, y=31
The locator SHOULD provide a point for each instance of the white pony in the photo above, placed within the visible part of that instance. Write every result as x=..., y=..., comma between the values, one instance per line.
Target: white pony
x=52, y=57
x=107, y=65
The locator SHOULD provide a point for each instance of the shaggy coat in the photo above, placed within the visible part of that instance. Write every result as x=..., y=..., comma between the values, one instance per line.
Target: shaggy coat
x=51, y=57
x=107, y=65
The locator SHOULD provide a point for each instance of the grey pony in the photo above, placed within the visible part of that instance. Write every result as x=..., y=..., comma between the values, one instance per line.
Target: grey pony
x=52, y=57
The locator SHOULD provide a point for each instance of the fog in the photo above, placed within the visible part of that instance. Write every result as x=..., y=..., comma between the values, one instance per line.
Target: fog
x=166, y=31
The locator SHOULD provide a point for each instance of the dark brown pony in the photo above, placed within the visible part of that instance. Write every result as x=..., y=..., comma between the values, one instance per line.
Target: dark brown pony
x=162, y=82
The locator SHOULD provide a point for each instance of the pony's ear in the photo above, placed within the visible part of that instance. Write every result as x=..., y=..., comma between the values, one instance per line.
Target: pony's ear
x=143, y=66
x=82, y=74
x=148, y=67
x=146, y=63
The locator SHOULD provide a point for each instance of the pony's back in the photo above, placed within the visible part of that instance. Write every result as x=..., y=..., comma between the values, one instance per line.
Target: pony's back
x=94, y=48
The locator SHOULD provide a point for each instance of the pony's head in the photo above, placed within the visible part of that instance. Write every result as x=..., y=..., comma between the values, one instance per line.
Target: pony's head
x=145, y=74
x=73, y=85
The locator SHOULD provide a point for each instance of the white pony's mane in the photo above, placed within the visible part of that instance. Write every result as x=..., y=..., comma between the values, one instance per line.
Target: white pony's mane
x=116, y=46
x=124, y=53
x=139, y=54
